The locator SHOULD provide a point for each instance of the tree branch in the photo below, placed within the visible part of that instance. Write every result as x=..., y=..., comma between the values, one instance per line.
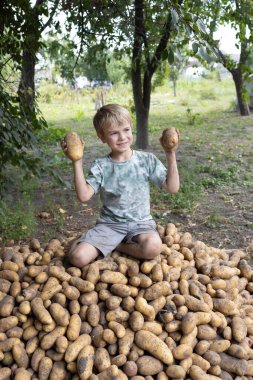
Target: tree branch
x=82, y=37
x=51, y=15
x=161, y=46
x=38, y=3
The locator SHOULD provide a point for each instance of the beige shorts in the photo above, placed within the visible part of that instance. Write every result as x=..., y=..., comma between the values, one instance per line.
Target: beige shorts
x=106, y=236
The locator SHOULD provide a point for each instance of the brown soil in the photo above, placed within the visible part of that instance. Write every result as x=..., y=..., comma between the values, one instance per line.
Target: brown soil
x=222, y=219
x=233, y=227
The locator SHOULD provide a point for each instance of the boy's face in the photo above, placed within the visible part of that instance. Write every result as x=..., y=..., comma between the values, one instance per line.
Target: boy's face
x=118, y=137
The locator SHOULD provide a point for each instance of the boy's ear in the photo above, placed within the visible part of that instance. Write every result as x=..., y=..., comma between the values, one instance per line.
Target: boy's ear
x=101, y=136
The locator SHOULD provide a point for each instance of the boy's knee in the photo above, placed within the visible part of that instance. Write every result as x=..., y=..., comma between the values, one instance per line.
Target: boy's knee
x=75, y=258
x=151, y=248
x=80, y=255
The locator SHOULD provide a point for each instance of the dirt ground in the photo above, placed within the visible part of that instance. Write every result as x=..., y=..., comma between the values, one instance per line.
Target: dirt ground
x=233, y=229
x=222, y=219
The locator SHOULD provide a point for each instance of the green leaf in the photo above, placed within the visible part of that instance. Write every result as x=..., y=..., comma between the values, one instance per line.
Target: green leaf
x=201, y=26
x=164, y=55
x=204, y=54
x=195, y=47
x=171, y=56
x=175, y=18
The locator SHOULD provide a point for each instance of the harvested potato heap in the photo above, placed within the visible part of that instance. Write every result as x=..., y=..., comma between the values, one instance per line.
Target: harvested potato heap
x=188, y=314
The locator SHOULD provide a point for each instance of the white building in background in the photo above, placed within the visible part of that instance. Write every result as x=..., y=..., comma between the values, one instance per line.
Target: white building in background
x=194, y=70
x=82, y=82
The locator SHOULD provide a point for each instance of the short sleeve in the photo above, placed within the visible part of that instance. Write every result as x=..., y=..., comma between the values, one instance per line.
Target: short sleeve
x=95, y=176
x=157, y=171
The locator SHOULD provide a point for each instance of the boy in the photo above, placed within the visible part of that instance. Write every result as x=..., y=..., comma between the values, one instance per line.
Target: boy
x=122, y=178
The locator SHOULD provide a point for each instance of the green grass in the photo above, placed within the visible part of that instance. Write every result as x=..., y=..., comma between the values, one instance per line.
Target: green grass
x=190, y=191
x=215, y=149
x=18, y=222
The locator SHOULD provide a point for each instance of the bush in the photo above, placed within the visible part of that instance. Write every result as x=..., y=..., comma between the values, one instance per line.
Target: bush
x=48, y=91
x=18, y=137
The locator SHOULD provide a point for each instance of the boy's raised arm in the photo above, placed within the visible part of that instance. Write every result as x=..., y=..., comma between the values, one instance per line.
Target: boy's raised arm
x=84, y=191
x=172, y=182
x=72, y=147
x=169, y=142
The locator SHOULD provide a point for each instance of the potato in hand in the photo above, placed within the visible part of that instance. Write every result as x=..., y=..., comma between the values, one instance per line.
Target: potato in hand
x=170, y=138
x=73, y=146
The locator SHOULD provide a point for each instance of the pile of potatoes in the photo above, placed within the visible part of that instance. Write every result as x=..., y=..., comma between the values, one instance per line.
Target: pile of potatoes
x=187, y=314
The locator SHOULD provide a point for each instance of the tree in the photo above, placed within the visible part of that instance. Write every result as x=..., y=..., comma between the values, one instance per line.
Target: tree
x=19, y=142
x=146, y=55
x=175, y=70
x=93, y=65
x=32, y=29
x=249, y=84
x=138, y=28
x=239, y=14
x=60, y=53
x=118, y=68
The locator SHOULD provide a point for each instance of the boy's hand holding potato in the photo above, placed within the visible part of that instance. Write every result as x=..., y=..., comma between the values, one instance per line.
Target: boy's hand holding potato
x=170, y=139
x=72, y=145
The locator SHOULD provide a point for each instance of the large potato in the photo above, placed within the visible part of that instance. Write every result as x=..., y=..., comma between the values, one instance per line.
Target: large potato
x=155, y=346
x=74, y=146
x=75, y=347
x=148, y=365
x=85, y=362
x=60, y=314
x=170, y=138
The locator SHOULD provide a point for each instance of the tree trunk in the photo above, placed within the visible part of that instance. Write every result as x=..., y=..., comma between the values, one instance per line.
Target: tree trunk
x=175, y=88
x=142, y=116
x=141, y=83
x=238, y=80
x=26, y=90
x=142, y=98
x=31, y=45
x=141, y=102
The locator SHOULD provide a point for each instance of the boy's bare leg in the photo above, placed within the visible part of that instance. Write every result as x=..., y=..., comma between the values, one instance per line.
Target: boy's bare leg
x=82, y=254
x=147, y=246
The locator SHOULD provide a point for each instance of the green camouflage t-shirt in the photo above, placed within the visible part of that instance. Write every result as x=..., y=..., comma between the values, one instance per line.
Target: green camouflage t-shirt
x=124, y=186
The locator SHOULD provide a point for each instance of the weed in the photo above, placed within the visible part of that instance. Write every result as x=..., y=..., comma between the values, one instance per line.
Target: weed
x=215, y=218
x=191, y=117
x=79, y=115
x=48, y=98
x=52, y=136
x=184, y=102
x=217, y=176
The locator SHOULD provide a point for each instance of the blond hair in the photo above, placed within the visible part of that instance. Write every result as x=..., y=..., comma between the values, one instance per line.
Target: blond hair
x=110, y=114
